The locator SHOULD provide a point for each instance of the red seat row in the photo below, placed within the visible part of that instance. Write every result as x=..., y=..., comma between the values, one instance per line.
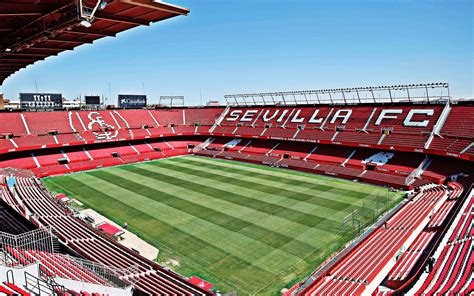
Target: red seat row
x=361, y=265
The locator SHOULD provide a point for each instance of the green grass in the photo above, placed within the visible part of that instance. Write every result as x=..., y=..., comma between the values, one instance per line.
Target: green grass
x=244, y=227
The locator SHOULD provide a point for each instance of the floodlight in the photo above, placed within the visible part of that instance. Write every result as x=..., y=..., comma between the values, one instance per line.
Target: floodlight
x=86, y=24
x=103, y=4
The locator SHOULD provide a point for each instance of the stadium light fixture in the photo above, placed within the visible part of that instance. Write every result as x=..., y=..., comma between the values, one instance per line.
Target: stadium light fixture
x=86, y=24
x=103, y=4
x=87, y=13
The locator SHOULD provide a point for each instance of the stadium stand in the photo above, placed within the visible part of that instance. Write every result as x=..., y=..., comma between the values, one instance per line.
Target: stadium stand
x=370, y=143
x=452, y=273
x=409, y=258
x=88, y=242
x=112, y=125
x=12, y=289
x=12, y=222
x=356, y=271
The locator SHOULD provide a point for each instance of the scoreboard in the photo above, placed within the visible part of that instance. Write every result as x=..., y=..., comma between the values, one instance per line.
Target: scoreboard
x=132, y=101
x=41, y=101
x=92, y=100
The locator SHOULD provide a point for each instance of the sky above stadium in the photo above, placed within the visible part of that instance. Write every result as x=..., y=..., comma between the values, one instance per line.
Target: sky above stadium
x=240, y=46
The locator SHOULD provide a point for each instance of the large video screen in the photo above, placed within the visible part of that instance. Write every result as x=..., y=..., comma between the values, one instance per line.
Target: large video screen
x=92, y=100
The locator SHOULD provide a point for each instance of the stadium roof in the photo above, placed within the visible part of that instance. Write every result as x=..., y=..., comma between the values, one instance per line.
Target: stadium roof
x=32, y=30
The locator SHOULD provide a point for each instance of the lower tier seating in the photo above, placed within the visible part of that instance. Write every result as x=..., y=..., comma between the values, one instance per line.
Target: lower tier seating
x=151, y=278
x=358, y=268
x=452, y=272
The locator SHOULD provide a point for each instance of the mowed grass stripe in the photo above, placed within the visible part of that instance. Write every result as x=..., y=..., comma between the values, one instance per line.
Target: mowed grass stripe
x=199, y=205
x=328, y=182
x=262, y=223
x=302, y=236
x=229, y=194
x=308, y=235
x=214, y=234
x=234, y=188
x=287, y=183
x=208, y=256
x=290, y=181
x=216, y=182
x=255, y=185
x=259, y=168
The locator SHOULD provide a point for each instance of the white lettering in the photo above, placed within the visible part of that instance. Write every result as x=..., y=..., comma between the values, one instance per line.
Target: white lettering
x=384, y=115
x=282, y=115
x=234, y=115
x=345, y=117
x=266, y=118
x=295, y=117
x=423, y=123
x=248, y=115
x=314, y=118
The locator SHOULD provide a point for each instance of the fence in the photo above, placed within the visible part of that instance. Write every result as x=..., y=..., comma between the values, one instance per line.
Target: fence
x=40, y=239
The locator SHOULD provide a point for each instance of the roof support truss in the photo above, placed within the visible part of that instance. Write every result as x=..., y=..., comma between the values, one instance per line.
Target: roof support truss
x=121, y=19
x=379, y=94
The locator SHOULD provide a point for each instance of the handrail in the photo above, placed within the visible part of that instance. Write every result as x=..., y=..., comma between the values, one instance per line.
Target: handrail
x=38, y=286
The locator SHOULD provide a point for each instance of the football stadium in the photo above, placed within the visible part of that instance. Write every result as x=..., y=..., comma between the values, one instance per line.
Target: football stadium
x=343, y=191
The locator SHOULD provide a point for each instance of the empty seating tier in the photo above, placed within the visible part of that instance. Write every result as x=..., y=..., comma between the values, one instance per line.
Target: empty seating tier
x=355, y=272
x=399, y=127
x=85, y=240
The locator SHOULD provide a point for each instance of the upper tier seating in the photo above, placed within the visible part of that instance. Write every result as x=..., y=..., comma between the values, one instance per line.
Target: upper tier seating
x=202, y=116
x=136, y=118
x=184, y=129
x=352, y=118
x=459, y=122
x=347, y=125
x=11, y=123
x=34, y=141
x=358, y=137
x=249, y=131
x=453, y=145
x=457, y=132
x=166, y=117
x=409, y=126
x=43, y=122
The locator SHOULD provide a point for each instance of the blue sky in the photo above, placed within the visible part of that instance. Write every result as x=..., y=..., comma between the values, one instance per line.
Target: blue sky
x=234, y=46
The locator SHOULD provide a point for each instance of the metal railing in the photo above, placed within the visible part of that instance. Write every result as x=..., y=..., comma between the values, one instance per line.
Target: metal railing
x=408, y=93
x=41, y=287
x=39, y=239
x=116, y=277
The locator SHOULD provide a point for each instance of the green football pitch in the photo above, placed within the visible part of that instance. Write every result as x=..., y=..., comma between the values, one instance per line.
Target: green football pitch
x=246, y=228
